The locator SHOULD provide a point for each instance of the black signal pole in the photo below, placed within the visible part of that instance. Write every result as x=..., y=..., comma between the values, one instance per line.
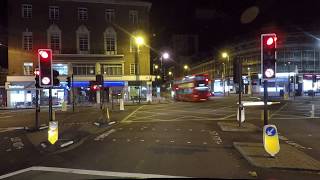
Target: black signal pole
x=73, y=97
x=37, y=110
x=240, y=90
x=265, y=98
x=50, y=103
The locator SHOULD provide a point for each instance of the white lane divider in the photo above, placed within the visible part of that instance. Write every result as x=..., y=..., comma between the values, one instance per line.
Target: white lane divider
x=104, y=135
x=87, y=172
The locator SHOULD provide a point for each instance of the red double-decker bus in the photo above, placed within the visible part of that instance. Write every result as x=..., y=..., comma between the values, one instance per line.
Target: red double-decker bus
x=192, y=88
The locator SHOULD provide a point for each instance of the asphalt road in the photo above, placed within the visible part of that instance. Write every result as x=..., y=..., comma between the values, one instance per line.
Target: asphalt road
x=183, y=139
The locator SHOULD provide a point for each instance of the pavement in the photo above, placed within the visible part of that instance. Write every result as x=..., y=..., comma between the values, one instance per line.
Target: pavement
x=183, y=139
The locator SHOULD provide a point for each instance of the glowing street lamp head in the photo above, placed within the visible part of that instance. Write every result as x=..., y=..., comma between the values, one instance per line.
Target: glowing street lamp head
x=158, y=77
x=165, y=55
x=139, y=40
x=170, y=73
x=156, y=66
x=224, y=55
x=185, y=67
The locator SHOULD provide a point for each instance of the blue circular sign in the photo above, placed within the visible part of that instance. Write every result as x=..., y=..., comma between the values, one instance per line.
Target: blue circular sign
x=271, y=131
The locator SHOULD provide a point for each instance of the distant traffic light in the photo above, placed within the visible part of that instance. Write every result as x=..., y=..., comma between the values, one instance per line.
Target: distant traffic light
x=56, y=81
x=36, y=77
x=45, y=67
x=94, y=86
x=69, y=81
x=291, y=79
x=268, y=55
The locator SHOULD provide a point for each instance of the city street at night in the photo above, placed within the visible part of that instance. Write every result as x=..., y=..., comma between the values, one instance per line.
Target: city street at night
x=184, y=139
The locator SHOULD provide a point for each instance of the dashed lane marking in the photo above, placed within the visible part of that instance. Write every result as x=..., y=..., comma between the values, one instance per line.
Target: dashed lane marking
x=104, y=135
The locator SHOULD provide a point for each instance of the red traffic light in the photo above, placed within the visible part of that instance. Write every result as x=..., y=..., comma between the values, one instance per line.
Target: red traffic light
x=270, y=41
x=44, y=54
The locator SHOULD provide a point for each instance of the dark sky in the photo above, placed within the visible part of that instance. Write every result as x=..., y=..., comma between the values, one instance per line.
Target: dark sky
x=178, y=16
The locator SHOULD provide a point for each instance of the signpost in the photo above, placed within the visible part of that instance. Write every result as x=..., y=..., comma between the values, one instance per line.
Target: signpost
x=271, y=139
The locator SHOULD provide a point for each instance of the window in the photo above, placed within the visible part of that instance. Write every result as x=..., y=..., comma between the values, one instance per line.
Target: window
x=112, y=69
x=110, y=41
x=82, y=14
x=133, y=68
x=53, y=12
x=84, y=69
x=54, y=38
x=83, y=42
x=110, y=15
x=61, y=68
x=133, y=16
x=83, y=39
x=26, y=11
x=27, y=41
x=28, y=69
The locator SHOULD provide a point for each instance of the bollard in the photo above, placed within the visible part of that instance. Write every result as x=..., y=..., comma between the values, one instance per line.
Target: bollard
x=53, y=115
x=121, y=105
x=242, y=115
x=312, y=111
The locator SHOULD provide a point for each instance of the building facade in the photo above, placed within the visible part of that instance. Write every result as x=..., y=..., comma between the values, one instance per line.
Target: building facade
x=298, y=58
x=87, y=37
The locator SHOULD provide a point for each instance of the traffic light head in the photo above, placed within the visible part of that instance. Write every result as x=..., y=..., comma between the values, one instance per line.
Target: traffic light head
x=45, y=67
x=268, y=55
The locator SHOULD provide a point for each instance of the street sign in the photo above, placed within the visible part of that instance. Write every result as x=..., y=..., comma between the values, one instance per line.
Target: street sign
x=271, y=139
x=53, y=132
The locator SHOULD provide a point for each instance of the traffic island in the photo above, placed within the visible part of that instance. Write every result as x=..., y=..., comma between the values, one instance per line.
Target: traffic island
x=234, y=127
x=288, y=158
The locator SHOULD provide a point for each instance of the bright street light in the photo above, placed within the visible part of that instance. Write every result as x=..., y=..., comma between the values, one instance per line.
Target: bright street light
x=165, y=55
x=185, y=67
x=156, y=66
x=158, y=77
x=170, y=73
x=139, y=40
x=224, y=55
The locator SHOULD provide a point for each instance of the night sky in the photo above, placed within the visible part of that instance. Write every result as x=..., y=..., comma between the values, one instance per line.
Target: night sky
x=178, y=16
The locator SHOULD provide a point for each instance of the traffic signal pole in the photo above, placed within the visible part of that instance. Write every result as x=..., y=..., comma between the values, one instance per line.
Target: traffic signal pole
x=37, y=110
x=50, y=103
x=240, y=91
x=265, y=98
x=72, y=88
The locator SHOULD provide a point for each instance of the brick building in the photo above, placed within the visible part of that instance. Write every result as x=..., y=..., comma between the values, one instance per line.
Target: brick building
x=88, y=37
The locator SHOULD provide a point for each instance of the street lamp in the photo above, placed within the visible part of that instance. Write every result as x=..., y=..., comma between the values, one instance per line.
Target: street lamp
x=139, y=41
x=170, y=73
x=226, y=55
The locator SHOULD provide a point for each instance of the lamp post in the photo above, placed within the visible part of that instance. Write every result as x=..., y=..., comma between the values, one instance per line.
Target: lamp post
x=225, y=55
x=139, y=41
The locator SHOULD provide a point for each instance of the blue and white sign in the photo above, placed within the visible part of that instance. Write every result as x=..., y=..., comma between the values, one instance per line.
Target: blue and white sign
x=271, y=131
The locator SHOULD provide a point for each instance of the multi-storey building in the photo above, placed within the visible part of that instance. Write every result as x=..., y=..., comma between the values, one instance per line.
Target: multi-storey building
x=297, y=55
x=88, y=37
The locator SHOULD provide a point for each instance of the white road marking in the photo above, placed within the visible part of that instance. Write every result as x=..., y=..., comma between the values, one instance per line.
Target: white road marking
x=189, y=142
x=87, y=172
x=204, y=142
x=104, y=135
x=172, y=141
x=2, y=117
x=66, y=144
x=141, y=140
x=126, y=118
x=190, y=129
x=113, y=140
